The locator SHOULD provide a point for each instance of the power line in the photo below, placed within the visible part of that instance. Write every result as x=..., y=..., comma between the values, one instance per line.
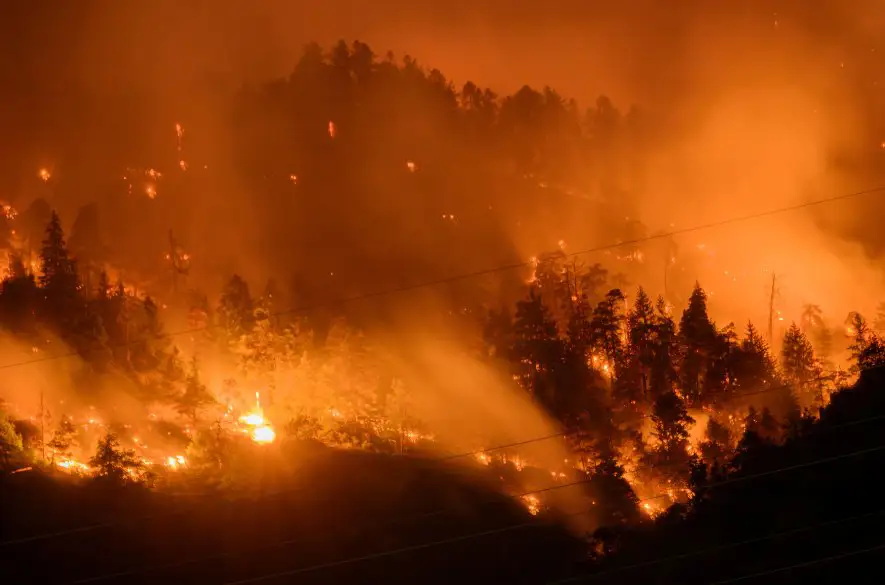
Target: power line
x=713, y=549
x=492, y=270
x=444, y=458
x=393, y=552
x=845, y=555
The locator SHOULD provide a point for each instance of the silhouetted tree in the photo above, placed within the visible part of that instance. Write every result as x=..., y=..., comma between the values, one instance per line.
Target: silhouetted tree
x=235, y=311
x=196, y=396
x=58, y=279
x=537, y=349
x=697, y=337
x=113, y=463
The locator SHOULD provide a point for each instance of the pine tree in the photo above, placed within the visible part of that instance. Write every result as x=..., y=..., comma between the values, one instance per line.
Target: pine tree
x=196, y=396
x=58, y=278
x=235, y=311
x=10, y=440
x=663, y=372
x=868, y=349
x=112, y=463
x=797, y=359
x=607, y=329
x=697, y=337
x=671, y=421
x=579, y=332
x=537, y=348
x=752, y=364
x=640, y=333
x=62, y=438
x=716, y=447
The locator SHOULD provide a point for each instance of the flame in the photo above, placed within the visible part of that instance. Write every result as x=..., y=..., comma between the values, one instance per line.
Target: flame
x=332, y=129
x=73, y=466
x=263, y=434
x=253, y=419
x=44, y=174
x=533, y=504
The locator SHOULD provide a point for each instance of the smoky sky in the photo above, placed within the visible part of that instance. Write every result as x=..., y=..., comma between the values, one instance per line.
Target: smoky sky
x=630, y=48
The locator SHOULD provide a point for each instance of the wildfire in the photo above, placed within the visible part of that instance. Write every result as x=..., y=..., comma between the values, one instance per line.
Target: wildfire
x=175, y=462
x=264, y=434
x=332, y=129
x=533, y=504
x=261, y=432
x=9, y=211
x=411, y=166
x=44, y=175
x=73, y=466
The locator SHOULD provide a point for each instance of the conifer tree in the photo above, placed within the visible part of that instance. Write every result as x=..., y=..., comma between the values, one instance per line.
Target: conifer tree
x=196, y=396
x=112, y=463
x=663, y=372
x=607, y=328
x=640, y=334
x=697, y=337
x=58, y=278
x=62, y=438
x=10, y=440
x=537, y=348
x=235, y=311
x=798, y=361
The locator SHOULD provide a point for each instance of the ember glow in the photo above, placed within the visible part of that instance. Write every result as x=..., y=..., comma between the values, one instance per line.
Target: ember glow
x=407, y=265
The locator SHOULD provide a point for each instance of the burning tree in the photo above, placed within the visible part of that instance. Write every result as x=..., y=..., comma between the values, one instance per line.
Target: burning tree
x=62, y=438
x=10, y=440
x=112, y=463
x=195, y=396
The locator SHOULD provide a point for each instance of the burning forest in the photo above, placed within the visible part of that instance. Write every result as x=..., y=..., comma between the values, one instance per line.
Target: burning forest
x=363, y=260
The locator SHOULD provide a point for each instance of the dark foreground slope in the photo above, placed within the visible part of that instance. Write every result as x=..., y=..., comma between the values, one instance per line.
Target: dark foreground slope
x=341, y=506
x=808, y=511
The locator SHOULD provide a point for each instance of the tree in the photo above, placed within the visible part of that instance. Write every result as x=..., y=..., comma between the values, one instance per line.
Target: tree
x=716, y=447
x=195, y=396
x=537, y=349
x=798, y=362
x=752, y=364
x=62, y=438
x=607, y=328
x=697, y=336
x=640, y=334
x=663, y=372
x=10, y=440
x=235, y=311
x=670, y=457
x=112, y=463
x=58, y=277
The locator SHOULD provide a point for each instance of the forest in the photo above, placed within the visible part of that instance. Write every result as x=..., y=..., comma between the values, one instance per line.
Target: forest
x=383, y=351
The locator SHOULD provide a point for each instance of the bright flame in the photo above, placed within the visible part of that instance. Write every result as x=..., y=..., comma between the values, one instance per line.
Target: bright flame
x=263, y=434
x=44, y=174
x=533, y=504
x=253, y=419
